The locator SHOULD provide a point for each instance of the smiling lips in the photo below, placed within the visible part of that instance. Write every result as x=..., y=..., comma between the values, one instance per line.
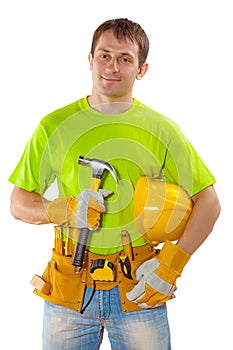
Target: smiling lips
x=110, y=79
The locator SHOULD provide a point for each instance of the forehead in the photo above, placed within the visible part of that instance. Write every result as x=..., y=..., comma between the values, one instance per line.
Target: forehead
x=109, y=42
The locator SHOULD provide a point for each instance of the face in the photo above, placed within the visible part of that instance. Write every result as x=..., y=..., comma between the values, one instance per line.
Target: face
x=114, y=68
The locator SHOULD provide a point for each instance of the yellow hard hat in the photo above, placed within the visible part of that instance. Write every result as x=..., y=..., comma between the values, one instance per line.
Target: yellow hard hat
x=161, y=209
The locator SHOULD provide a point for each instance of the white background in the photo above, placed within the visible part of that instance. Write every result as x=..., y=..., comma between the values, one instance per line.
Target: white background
x=44, y=48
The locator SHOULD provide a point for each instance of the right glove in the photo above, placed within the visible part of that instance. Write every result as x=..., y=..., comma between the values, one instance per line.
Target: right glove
x=82, y=211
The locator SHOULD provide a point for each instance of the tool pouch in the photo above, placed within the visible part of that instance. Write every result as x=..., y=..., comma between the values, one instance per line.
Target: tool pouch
x=67, y=288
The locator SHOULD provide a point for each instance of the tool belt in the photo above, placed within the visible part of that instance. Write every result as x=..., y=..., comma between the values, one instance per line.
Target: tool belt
x=60, y=285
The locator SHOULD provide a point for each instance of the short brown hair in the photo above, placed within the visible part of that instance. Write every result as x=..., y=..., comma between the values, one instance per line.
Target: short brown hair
x=123, y=28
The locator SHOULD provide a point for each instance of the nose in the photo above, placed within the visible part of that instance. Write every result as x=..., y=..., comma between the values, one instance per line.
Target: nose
x=112, y=66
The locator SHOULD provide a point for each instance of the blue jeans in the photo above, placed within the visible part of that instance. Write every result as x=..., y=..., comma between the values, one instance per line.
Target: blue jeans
x=65, y=329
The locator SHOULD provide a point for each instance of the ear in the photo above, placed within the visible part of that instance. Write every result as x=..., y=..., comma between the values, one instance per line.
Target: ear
x=142, y=71
x=90, y=59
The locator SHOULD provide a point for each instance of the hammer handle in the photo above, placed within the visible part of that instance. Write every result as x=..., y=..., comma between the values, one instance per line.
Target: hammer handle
x=83, y=235
x=80, y=249
x=95, y=184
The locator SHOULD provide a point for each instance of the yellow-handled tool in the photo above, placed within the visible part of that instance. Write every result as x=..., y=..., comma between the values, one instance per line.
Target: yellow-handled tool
x=98, y=168
x=127, y=257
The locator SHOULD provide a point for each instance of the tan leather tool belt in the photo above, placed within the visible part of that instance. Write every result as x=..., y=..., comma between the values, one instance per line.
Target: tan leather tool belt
x=64, y=287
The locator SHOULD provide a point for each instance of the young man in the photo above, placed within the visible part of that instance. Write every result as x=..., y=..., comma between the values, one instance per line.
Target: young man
x=123, y=288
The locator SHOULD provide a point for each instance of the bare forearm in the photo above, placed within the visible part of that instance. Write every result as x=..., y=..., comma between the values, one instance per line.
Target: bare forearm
x=29, y=207
x=204, y=215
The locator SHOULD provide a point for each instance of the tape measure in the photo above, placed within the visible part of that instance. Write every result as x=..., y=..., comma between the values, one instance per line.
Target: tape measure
x=102, y=270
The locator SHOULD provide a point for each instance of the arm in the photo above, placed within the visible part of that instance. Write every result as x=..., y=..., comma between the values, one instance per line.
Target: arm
x=205, y=212
x=29, y=207
x=32, y=208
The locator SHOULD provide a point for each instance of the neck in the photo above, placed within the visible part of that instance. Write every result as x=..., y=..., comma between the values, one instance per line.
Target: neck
x=110, y=105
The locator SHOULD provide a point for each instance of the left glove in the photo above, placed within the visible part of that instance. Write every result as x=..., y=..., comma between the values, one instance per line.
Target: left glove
x=157, y=277
x=82, y=211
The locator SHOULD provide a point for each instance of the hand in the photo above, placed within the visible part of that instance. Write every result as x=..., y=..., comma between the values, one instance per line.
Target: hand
x=89, y=208
x=157, y=277
x=82, y=211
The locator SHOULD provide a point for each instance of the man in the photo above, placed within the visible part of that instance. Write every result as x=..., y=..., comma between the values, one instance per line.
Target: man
x=122, y=290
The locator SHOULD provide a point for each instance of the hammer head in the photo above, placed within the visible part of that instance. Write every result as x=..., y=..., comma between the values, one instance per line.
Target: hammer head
x=98, y=167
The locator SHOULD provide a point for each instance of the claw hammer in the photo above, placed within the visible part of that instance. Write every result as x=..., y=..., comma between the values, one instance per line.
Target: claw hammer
x=98, y=168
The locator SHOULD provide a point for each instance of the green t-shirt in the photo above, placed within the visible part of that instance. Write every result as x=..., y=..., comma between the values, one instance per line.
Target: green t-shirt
x=137, y=142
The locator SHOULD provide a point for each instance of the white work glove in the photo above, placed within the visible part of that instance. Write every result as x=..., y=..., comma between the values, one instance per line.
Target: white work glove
x=157, y=277
x=89, y=208
x=82, y=211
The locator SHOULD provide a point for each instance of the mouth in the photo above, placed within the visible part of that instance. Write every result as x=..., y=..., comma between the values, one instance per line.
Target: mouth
x=110, y=79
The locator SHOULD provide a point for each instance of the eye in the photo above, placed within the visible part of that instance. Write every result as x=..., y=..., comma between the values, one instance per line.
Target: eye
x=104, y=56
x=125, y=59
